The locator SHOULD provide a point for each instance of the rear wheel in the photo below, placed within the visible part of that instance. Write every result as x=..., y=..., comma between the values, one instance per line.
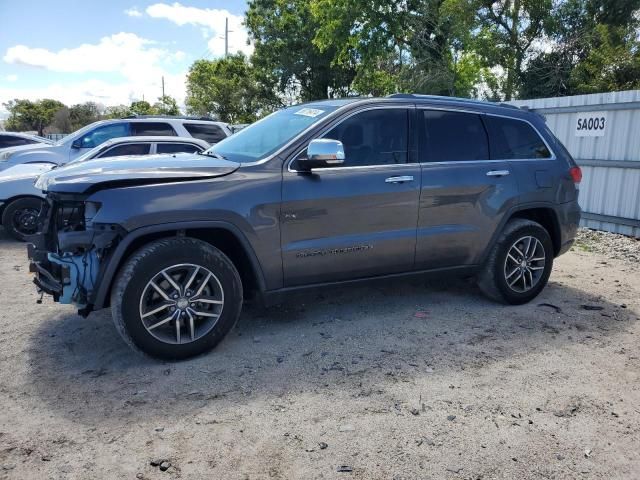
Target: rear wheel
x=176, y=298
x=20, y=217
x=520, y=263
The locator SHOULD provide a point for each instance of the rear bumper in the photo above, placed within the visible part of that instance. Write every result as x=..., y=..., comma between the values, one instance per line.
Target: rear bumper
x=569, y=220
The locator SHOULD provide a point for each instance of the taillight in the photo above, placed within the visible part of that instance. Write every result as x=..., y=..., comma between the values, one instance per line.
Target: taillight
x=576, y=174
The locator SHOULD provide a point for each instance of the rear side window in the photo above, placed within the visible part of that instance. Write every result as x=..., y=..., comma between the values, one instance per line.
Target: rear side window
x=514, y=139
x=140, y=129
x=452, y=137
x=11, y=141
x=208, y=132
x=177, y=148
x=128, y=149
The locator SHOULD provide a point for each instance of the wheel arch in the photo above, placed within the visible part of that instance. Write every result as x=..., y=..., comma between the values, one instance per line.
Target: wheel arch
x=548, y=218
x=225, y=236
x=10, y=200
x=540, y=212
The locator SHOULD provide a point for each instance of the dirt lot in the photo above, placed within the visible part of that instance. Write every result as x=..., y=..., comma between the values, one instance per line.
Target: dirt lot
x=402, y=380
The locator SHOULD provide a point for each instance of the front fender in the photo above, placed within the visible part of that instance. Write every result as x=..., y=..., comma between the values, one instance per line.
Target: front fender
x=118, y=256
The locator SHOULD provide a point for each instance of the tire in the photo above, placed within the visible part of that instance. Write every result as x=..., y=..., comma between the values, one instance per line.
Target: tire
x=500, y=278
x=19, y=218
x=134, y=298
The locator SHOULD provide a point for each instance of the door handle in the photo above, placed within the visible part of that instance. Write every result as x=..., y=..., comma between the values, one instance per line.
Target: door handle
x=498, y=173
x=405, y=178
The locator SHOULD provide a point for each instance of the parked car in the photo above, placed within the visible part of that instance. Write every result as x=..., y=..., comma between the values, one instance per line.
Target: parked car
x=14, y=139
x=328, y=192
x=20, y=200
x=81, y=141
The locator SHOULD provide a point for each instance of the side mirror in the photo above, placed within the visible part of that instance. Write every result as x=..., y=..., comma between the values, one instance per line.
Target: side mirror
x=77, y=143
x=322, y=152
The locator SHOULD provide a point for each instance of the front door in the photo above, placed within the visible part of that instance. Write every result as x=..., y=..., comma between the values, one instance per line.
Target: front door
x=359, y=219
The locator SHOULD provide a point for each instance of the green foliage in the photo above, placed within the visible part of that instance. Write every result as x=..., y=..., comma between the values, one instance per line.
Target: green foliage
x=28, y=115
x=166, y=105
x=230, y=89
x=117, y=111
x=283, y=32
x=141, y=107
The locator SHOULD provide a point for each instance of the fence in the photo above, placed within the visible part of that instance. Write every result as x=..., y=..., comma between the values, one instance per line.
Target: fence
x=602, y=132
x=56, y=136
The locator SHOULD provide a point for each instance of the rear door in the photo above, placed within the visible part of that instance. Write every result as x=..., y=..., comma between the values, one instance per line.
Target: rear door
x=359, y=219
x=464, y=193
x=152, y=129
x=137, y=148
x=177, y=147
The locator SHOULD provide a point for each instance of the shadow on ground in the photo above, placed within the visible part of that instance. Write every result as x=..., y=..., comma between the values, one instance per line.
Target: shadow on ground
x=354, y=338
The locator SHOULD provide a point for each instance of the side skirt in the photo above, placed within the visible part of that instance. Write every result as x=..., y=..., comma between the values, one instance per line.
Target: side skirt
x=274, y=297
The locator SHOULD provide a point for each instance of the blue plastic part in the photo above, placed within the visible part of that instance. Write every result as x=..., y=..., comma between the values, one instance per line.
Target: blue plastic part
x=83, y=271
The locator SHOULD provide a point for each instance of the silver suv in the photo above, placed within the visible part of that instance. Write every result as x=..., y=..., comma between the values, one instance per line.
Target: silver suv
x=81, y=141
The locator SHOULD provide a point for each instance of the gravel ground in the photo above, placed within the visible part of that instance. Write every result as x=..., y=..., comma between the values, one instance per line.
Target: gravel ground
x=402, y=380
x=610, y=244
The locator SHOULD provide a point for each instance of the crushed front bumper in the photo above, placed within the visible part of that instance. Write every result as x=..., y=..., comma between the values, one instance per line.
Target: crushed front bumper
x=67, y=263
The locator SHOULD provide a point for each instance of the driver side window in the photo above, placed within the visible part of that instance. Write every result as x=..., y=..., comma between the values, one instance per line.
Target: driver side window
x=374, y=137
x=106, y=132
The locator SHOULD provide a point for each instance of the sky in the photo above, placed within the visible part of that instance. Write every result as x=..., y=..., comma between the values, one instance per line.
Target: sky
x=111, y=52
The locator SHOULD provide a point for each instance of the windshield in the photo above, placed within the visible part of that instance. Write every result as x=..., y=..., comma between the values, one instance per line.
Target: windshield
x=266, y=136
x=77, y=134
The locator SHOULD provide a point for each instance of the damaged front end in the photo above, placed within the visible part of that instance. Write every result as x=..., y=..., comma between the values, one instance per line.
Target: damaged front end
x=68, y=253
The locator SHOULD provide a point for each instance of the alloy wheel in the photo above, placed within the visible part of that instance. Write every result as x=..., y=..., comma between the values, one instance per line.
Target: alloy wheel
x=181, y=303
x=524, y=264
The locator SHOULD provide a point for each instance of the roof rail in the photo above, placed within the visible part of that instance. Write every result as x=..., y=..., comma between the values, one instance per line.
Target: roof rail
x=419, y=96
x=178, y=117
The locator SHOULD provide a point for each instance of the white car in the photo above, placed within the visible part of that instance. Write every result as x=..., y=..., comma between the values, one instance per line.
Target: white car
x=20, y=200
x=81, y=141
x=14, y=139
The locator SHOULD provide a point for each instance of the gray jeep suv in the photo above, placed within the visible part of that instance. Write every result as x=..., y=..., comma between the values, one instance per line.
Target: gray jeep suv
x=315, y=194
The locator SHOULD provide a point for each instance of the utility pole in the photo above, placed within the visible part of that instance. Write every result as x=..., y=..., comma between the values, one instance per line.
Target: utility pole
x=163, y=86
x=226, y=37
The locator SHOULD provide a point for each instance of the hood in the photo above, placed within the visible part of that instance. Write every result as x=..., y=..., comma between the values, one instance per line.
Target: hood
x=24, y=170
x=30, y=146
x=94, y=175
x=33, y=154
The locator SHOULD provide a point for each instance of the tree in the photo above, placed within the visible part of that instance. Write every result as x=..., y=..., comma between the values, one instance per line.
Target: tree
x=28, y=115
x=228, y=89
x=283, y=32
x=416, y=45
x=507, y=35
x=117, y=111
x=141, y=107
x=83, y=114
x=594, y=48
x=166, y=105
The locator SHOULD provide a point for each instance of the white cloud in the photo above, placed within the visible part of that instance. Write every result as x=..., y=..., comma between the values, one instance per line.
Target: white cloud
x=211, y=21
x=133, y=12
x=11, y=78
x=140, y=64
x=100, y=91
x=125, y=53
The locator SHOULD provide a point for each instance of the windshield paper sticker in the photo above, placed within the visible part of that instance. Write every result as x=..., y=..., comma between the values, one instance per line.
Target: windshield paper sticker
x=309, y=112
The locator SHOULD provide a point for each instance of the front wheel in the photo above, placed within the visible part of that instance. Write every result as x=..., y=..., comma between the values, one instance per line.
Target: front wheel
x=20, y=217
x=176, y=298
x=520, y=263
